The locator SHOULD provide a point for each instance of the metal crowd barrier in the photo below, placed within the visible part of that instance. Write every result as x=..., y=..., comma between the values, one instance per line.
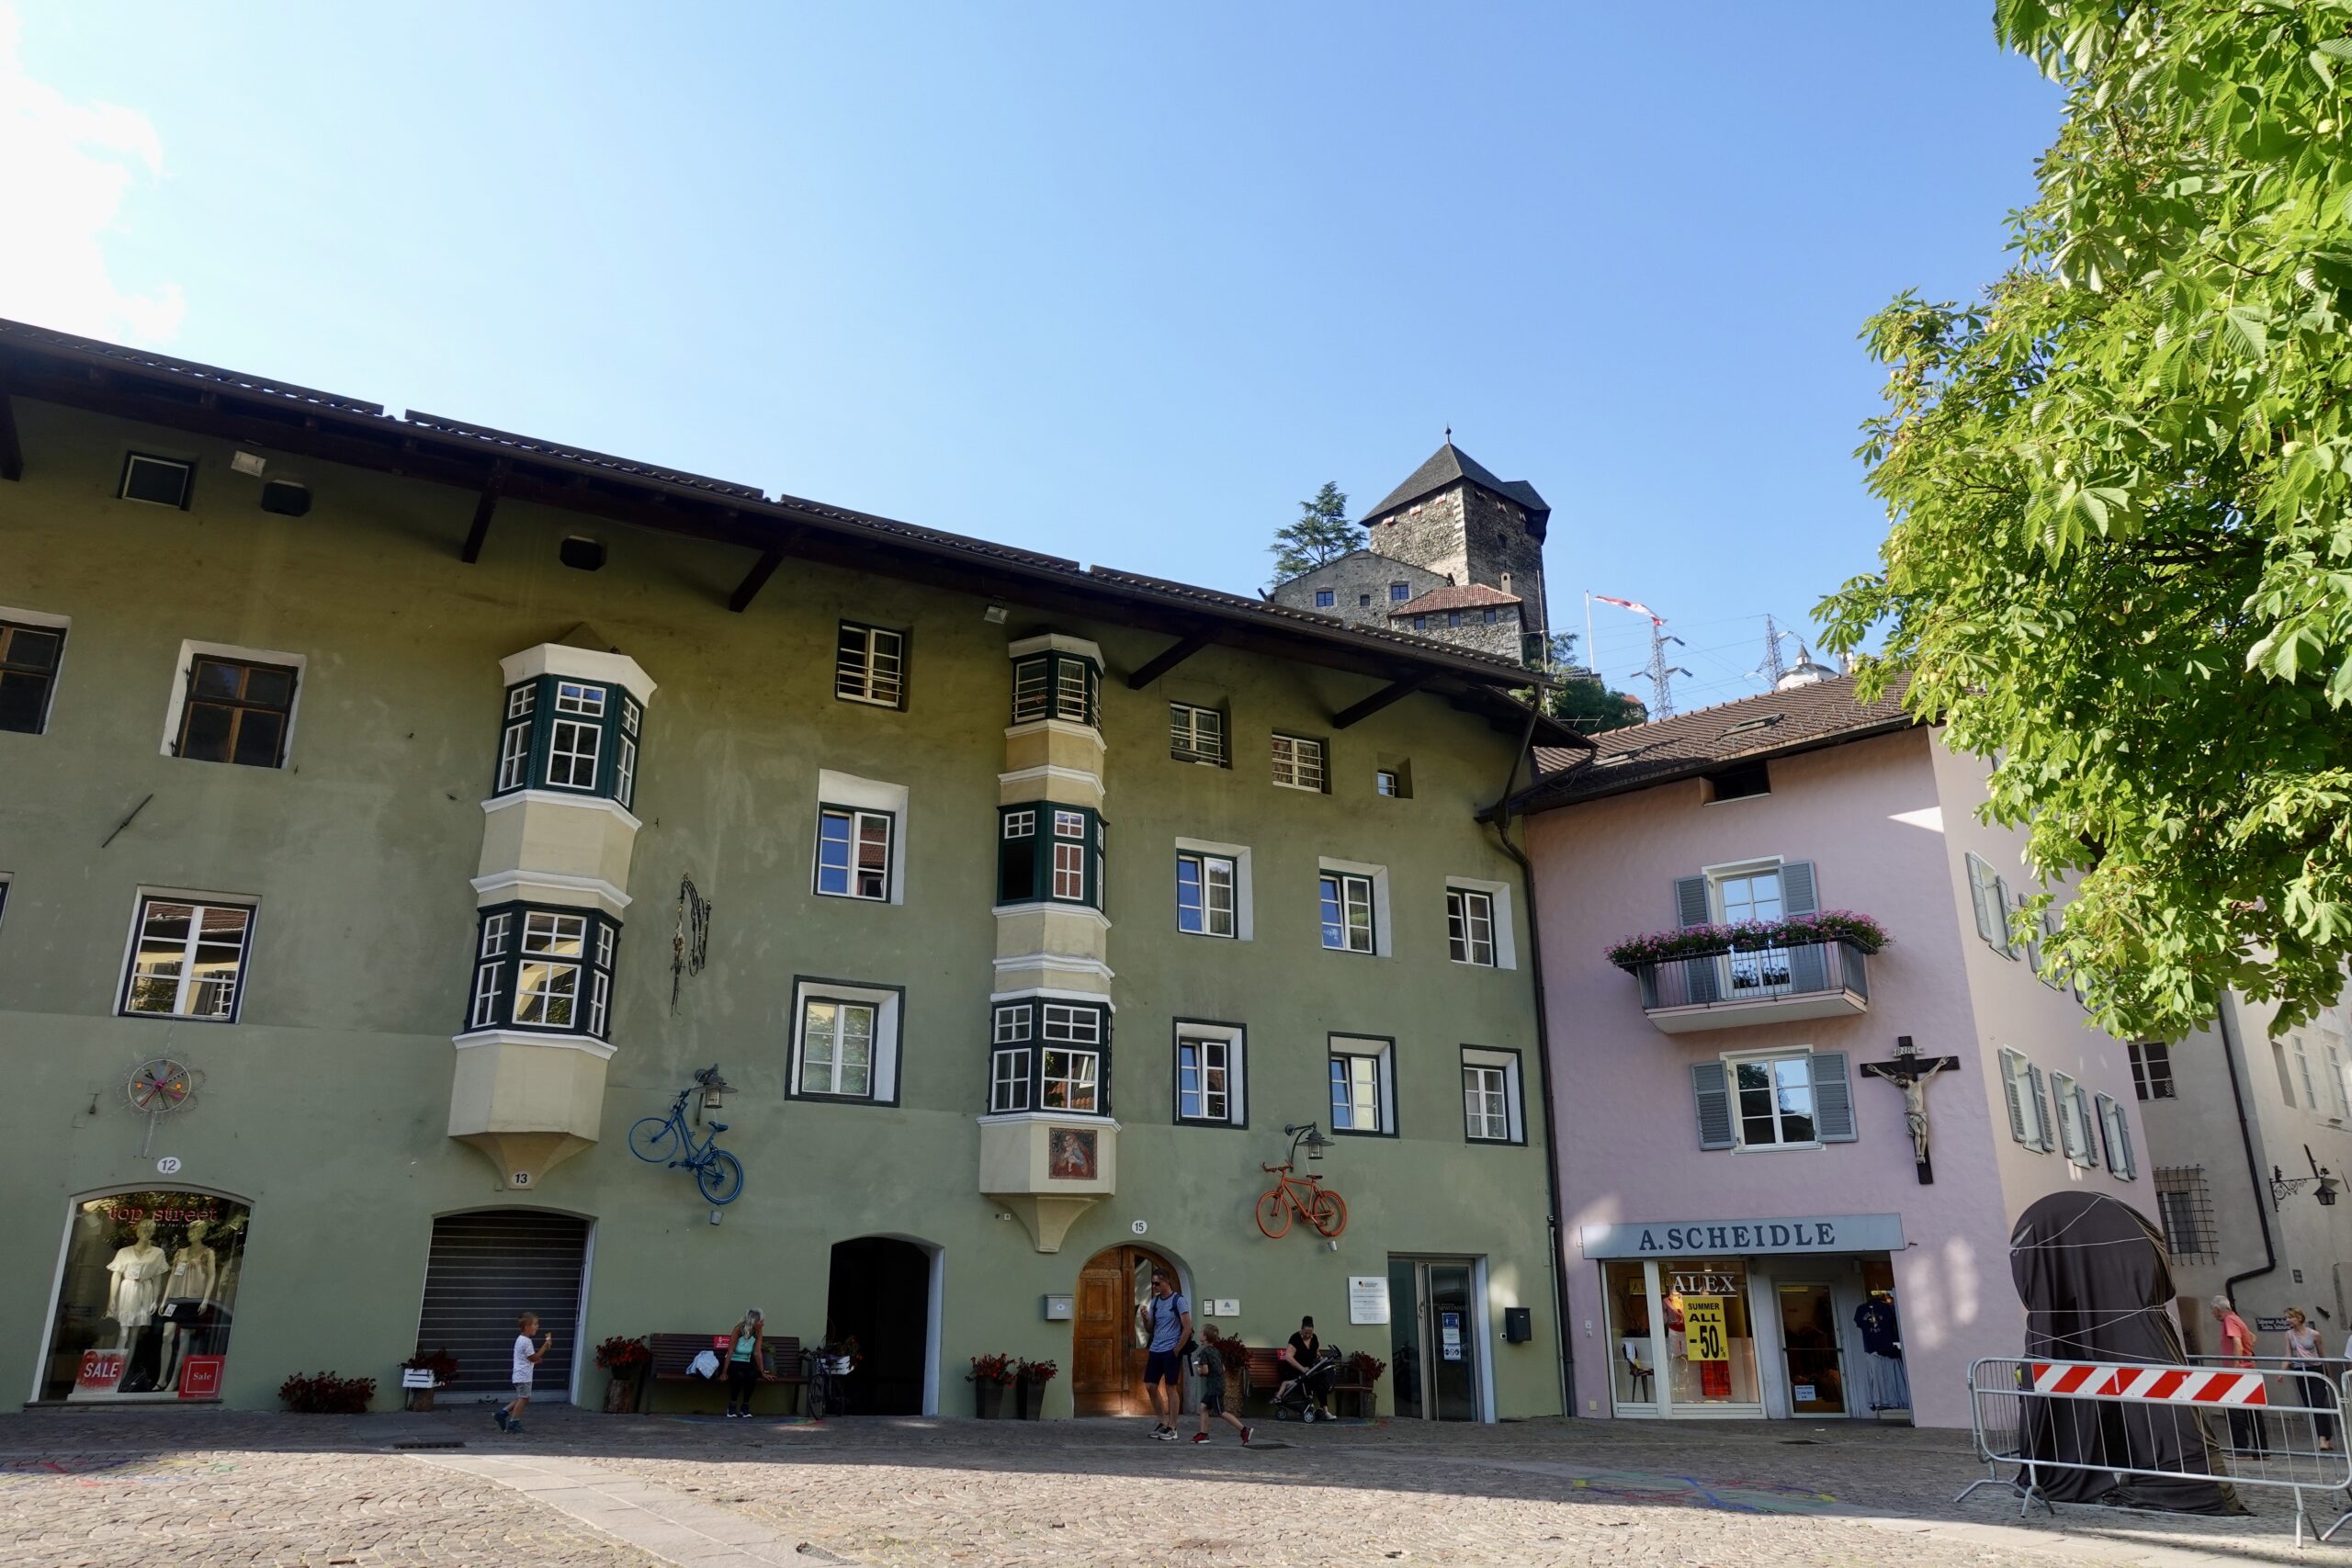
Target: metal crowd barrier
x=2257, y=1426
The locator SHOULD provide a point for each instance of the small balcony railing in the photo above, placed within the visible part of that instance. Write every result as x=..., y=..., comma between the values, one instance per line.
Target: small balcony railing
x=1724, y=990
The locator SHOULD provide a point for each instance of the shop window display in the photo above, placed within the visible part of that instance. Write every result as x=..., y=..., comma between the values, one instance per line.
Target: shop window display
x=147, y=1296
x=1710, y=1344
x=1634, y=1371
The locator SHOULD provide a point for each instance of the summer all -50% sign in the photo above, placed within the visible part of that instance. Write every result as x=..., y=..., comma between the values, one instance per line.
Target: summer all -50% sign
x=1702, y=1329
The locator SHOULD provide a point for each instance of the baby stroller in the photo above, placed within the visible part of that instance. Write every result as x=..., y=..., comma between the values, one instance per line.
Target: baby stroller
x=1308, y=1398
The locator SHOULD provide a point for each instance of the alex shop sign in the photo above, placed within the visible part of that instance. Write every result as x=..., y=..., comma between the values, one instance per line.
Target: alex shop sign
x=1686, y=1238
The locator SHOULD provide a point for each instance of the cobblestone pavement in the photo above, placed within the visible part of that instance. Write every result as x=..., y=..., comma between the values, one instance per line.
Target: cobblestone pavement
x=81, y=1489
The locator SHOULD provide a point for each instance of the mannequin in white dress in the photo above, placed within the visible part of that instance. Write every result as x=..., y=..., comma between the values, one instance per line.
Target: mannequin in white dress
x=195, y=1271
x=137, y=1285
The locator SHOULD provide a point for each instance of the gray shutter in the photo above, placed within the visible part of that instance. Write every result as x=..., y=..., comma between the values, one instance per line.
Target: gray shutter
x=1711, y=1087
x=2001, y=918
x=2086, y=1116
x=1808, y=965
x=2009, y=1089
x=1979, y=873
x=1833, y=1099
x=1691, y=909
x=2041, y=1105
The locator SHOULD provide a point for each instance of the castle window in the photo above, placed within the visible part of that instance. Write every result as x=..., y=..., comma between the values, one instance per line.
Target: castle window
x=1399, y=593
x=1420, y=623
x=1453, y=618
x=1490, y=617
x=1324, y=598
x=1363, y=601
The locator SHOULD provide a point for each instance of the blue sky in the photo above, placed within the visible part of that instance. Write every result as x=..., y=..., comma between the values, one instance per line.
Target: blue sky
x=1117, y=282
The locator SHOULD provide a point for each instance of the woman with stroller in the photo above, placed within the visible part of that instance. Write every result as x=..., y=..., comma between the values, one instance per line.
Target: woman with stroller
x=1302, y=1368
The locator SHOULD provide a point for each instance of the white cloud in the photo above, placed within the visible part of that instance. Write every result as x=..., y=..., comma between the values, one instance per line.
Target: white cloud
x=69, y=167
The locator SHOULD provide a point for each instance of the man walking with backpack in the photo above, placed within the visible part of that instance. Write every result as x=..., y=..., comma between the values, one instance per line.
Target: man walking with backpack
x=1165, y=1322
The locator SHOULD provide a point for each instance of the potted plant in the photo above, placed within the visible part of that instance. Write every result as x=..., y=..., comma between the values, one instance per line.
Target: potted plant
x=1034, y=1377
x=1859, y=931
x=326, y=1393
x=627, y=1359
x=989, y=1377
x=443, y=1367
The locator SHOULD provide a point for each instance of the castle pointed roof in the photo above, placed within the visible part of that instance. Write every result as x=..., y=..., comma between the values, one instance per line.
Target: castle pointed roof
x=1448, y=466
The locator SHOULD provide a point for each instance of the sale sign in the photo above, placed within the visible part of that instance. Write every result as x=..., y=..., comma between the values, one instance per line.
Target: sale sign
x=101, y=1369
x=1702, y=1329
x=200, y=1377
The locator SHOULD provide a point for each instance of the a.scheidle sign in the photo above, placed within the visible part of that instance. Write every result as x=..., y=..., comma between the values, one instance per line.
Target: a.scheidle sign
x=1696, y=1238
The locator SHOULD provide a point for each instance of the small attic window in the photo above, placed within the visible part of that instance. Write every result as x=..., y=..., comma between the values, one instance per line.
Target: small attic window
x=1738, y=782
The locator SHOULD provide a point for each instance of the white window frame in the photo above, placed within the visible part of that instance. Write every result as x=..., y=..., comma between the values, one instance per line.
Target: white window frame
x=858, y=817
x=581, y=719
x=1285, y=757
x=1383, y=1054
x=1071, y=1056
x=1185, y=734
x=1009, y=1093
x=1486, y=1059
x=850, y=791
x=1212, y=874
x=2303, y=1071
x=191, y=650
x=1244, y=889
x=888, y=1002
x=1733, y=1061
x=1499, y=899
x=1382, y=943
x=834, y=1059
x=1231, y=1039
x=867, y=684
x=146, y=895
x=186, y=465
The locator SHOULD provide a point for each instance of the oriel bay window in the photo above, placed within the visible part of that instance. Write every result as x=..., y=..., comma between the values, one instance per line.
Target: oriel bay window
x=188, y=959
x=538, y=967
x=1056, y=684
x=1048, y=1053
x=1049, y=853
x=573, y=736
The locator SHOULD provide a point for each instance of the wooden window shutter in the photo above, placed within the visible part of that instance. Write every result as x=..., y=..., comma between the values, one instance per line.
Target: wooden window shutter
x=1833, y=1099
x=1980, y=878
x=1691, y=909
x=2040, y=1106
x=2010, y=1063
x=2001, y=906
x=1798, y=894
x=1710, y=1088
x=1808, y=965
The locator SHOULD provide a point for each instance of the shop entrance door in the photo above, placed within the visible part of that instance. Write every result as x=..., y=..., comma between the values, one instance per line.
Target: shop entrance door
x=485, y=1269
x=1435, y=1313
x=1106, y=1364
x=1809, y=1341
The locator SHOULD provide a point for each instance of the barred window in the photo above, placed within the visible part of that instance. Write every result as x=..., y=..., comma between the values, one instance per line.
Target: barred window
x=1298, y=763
x=2186, y=1206
x=870, y=666
x=1195, y=734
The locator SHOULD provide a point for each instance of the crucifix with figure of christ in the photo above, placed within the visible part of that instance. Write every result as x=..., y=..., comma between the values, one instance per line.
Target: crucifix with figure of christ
x=1910, y=1072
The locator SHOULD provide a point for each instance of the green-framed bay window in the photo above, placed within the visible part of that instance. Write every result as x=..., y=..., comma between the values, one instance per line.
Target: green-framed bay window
x=573, y=735
x=544, y=966
x=1049, y=1053
x=1047, y=852
x=1055, y=683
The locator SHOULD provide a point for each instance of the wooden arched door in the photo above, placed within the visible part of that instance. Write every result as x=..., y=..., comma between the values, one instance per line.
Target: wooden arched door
x=1106, y=1364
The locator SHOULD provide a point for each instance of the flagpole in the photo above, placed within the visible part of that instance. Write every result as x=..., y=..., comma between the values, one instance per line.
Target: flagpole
x=1591, y=659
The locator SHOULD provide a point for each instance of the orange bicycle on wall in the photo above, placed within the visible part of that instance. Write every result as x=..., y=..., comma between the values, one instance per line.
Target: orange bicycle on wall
x=1303, y=1195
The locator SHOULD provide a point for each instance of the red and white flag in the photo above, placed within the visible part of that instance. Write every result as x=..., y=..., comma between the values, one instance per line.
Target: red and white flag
x=1656, y=619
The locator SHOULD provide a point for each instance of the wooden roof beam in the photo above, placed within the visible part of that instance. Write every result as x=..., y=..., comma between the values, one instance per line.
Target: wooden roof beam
x=1167, y=657
x=12, y=451
x=762, y=569
x=484, y=509
x=1395, y=691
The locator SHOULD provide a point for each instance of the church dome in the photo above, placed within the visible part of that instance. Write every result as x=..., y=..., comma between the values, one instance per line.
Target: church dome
x=1805, y=671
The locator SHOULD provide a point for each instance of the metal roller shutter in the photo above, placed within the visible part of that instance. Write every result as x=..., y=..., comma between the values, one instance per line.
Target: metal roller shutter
x=488, y=1268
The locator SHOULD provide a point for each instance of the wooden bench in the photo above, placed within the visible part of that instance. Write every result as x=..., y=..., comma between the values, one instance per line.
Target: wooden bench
x=673, y=1353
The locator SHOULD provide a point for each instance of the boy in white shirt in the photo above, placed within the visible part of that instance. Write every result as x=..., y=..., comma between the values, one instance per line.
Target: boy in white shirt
x=526, y=1357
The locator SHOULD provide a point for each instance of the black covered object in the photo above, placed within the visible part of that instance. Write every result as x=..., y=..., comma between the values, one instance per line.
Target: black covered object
x=2094, y=1281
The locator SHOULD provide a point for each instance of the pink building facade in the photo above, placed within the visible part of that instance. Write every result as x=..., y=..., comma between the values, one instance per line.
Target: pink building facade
x=1748, y=1228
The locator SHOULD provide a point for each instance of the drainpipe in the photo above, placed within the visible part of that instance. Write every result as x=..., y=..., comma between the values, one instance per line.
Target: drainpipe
x=1497, y=817
x=2230, y=1041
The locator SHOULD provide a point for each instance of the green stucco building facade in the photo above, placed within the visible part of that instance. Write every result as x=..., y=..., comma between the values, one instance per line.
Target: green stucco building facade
x=397, y=812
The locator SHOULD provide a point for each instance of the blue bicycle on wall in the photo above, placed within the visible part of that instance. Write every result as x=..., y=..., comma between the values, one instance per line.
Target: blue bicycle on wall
x=667, y=1140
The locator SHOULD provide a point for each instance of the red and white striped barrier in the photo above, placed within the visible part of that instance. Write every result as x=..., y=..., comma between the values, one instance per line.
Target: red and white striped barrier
x=2163, y=1385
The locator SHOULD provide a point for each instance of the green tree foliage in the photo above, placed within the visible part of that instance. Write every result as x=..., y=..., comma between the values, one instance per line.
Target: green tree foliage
x=2121, y=494
x=1321, y=534
x=1579, y=700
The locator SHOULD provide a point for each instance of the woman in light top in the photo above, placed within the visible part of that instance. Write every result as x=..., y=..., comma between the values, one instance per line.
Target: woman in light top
x=2306, y=1355
x=744, y=1364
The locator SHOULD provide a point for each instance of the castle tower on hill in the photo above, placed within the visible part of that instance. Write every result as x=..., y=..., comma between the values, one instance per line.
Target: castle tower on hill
x=1455, y=554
